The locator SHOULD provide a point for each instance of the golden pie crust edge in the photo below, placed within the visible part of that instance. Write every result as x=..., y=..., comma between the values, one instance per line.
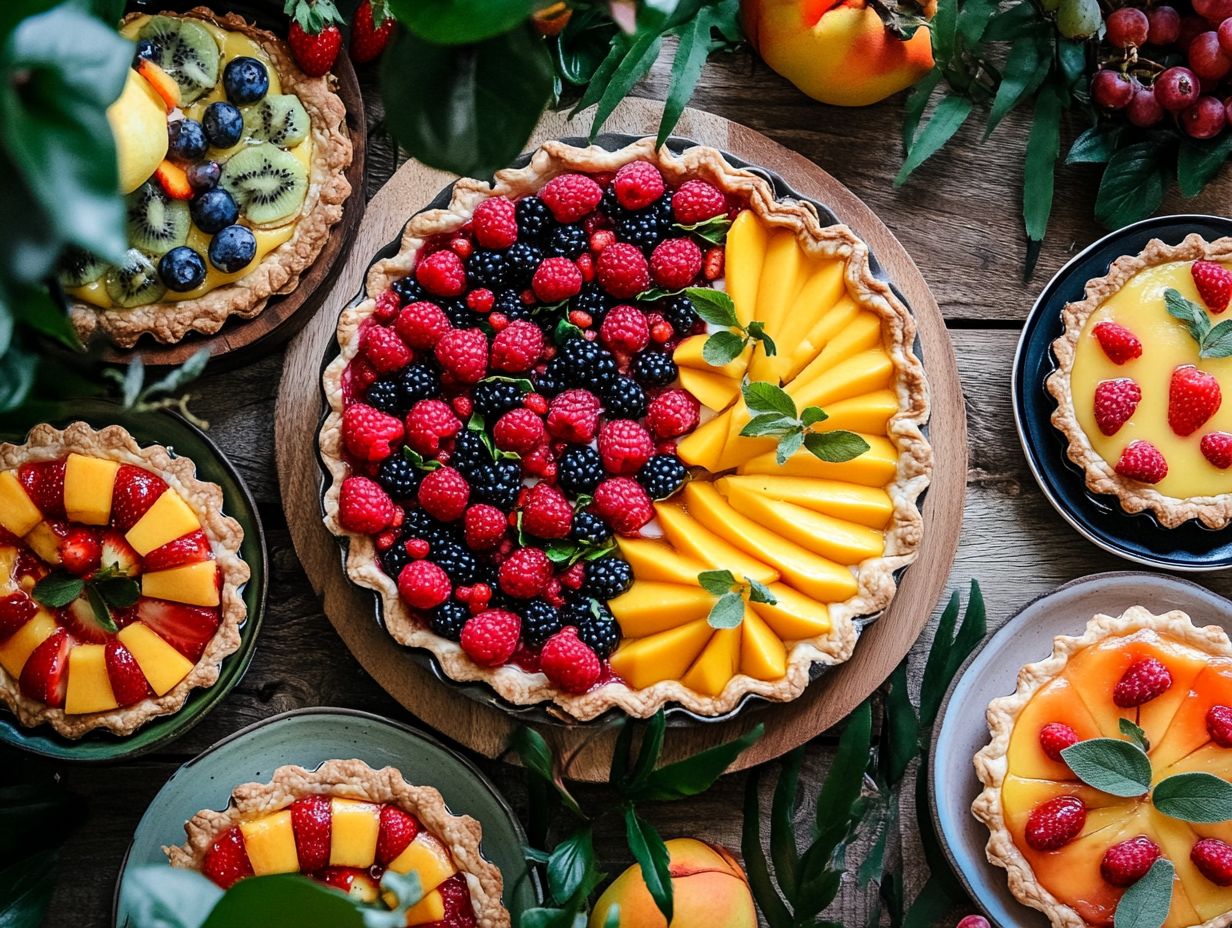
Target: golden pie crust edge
x=875, y=575
x=279, y=271
x=992, y=762
x=1214, y=512
x=354, y=779
x=46, y=443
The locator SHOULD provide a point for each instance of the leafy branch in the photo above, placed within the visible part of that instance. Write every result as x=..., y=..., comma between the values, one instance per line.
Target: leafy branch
x=139, y=396
x=774, y=415
x=716, y=308
x=728, y=608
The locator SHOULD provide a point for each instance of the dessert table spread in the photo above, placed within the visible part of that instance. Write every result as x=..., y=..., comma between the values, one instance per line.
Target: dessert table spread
x=958, y=217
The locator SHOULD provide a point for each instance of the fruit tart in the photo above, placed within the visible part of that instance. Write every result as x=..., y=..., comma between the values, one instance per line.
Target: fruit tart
x=120, y=580
x=538, y=449
x=1070, y=849
x=1141, y=369
x=232, y=162
x=344, y=824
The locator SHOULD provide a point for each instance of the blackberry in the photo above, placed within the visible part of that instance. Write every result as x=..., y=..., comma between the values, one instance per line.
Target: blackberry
x=408, y=289
x=509, y=304
x=469, y=453
x=589, y=529
x=522, y=258
x=600, y=635
x=385, y=396
x=493, y=398
x=448, y=618
x=418, y=524
x=611, y=207
x=578, y=610
x=394, y=558
x=662, y=475
x=607, y=577
x=654, y=369
x=624, y=399
x=540, y=621
x=587, y=364
x=567, y=241
x=534, y=218
x=579, y=470
x=679, y=313
x=487, y=268
x=459, y=314
x=497, y=483
x=399, y=477
x=456, y=561
x=592, y=301
x=552, y=380
x=647, y=227
x=419, y=381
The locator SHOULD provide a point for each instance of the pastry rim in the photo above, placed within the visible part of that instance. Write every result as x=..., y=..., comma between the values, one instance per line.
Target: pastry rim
x=279, y=271
x=877, y=585
x=47, y=443
x=1214, y=512
x=354, y=779
x=991, y=761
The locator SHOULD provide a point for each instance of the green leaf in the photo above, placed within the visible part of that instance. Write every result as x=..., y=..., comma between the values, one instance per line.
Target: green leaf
x=722, y=348
x=944, y=29
x=757, y=331
x=1133, y=734
x=1043, y=146
x=716, y=582
x=1110, y=766
x=98, y=605
x=900, y=740
x=536, y=756
x=936, y=678
x=946, y=120
x=973, y=19
x=713, y=306
x=406, y=888
x=727, y=611
x=1024, y=70
x=35, y=308
x=841, y=787
x=1218, y=341
x=917, y=100
x=789, y=444
x=459, y=22
x=713, y=230
x=759, y=592
x=548, y=917
x=1071, y=61
x=17, y=369
x=696, y=774
x=1012, y=22
x=569, y=864
x=938, y=897
x=768, y=899
x=1146, y=903
x=762, y=397
x=1095, y=145
x=176, y=378
x=635, y=65
x=1132, y=186
x=651, y=854
x=1194, y=797
x=1194, y=316
x=120, y=592
x=769, y=423
x=691, y=54
x=166, y=897
x=836, y=446
x=57, y=589
x=287, y=899
x=782, y=826
x=25, y=890
x=1198, y=162
x=811, y=415
x=649, y=751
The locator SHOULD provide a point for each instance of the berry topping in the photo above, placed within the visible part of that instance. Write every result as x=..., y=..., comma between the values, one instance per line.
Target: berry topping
x=1193, y=397
x=600, y=632
x=444, y=494
x=624, y=328
x=368, y=433
x=569, y=663
x=1217, y=448
x=397, y=831
x=518, y=430
x=547, y=512
x=490, y=637
x=534, y=218
x=1214, y=283
x=423, y=585
x=441, y=273
x=1145, y=679
x=623, y=504
x=573, y=416
x=556, y=279
x=449, y=618
x=226, y=862
x=1219, y=725
x=1115, y=402
x=463, y=353
x=1142, y=461
x=364, y=507
x=607, y=577
x=1119, y=344
x=1213, y=858
x=637, y=185
x=1055, y=737
x=624, y=446
x=571, y=196
x=517, y=347
x=579, y=470
x=525, y=573
x=653, y=368
x=495, y=223
x=1126, y=863
x=483, y=526
x=421, y=324
x=399, y=477
x=675, y=263
x=696, y=201
x=312, y=827
x=384, y=350
x=427, y=423
x=540, y=621
x=1053, y=824
x=673, y=412
x=622, y=270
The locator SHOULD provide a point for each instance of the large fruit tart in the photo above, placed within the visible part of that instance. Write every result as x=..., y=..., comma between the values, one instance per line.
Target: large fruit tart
x=120, y=580
x=1070, y=849
x=344, y=824
x=1142, y=366
x=536, y=445
x=232, y=161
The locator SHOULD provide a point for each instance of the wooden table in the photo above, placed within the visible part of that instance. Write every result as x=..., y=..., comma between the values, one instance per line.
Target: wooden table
x=958, y=217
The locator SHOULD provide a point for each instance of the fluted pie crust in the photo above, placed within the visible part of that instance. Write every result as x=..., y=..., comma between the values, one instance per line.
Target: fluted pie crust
x=875, y=575
x=354, y=779
x=46, y=443
x=278, y=272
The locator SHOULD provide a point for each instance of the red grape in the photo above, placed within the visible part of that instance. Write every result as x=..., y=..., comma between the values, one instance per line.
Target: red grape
x=1144, y=110
x=1225, y=36
x=1127, y=27
x=1165, y=25
x=1205, y=119
x=1177, y=89
x=1207, y=59
x=1111, y=89
x=1213, y=11
x=1191, y=26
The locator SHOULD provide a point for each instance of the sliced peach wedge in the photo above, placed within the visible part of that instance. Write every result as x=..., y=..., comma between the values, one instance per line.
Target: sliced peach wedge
x=1055, y=704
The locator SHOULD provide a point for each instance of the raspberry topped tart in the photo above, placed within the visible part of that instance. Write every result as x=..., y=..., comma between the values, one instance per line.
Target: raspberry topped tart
x=120, y=580
x=232, y=162
x=345, y=824
x=1149, y=696
x=621, y=429
x=1141, y=370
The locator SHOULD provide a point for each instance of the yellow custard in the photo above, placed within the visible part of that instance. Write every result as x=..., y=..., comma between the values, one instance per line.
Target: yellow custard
x=1166, y=344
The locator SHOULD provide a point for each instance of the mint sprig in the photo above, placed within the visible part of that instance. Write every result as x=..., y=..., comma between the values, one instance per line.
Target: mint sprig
x=109, y=587
x=775, y=415
x=1214, y=341
x=713, y=230
x=728, y=609
x=717, y=308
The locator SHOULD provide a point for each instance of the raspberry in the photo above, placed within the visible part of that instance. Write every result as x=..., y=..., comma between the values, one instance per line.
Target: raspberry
x=364, y=507
x=1126, y=863
x=573, y=416
x=443, y=494
x=362, y=375
x=525, y=573
x=624, y=446
x=571, y=196
x=481, y=300
x=1145, y=679
x=675, y=262
x=713, y=262
x=539, y=462
x=573, y=577
x=387, y=305
x=1142, y=461
x=673, y=412
x=384, y=350
x=491, y=637
x=624, y=328
x=1217, y=448
x=556, y=279
x=973, y=921
x=547, y=513
x=1193, y=397
x=495, y=223
x=518, y=430
x=1055, y=737
x=1115, y=402
x=483, y=526
x=1119, y=344
x=1213, y=858
x=624, y=504
x=464, y=354
x=536, y=403
x=442, y=274
x=1219, y=725
x=569, y=663
x=637, y=185
x=622, y=270
x=423, y=585
x=607, y=577
x=1214, y=284
x=1055, y=823
x=517, y=347
x=427, y=423
x=601, y=239
x=662, y=475
x=461, y=246
x=369, y=433
x=696, y=201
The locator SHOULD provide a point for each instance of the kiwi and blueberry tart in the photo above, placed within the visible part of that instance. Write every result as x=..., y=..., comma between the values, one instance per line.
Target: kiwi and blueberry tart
x=232, y=161
x=563, y=481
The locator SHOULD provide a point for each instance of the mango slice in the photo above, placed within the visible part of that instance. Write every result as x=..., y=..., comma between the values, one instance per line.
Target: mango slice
x=88, y=485
x=869, y=506
x=17, y=513
x=162, y=664
x=690, y=537
x=649, y=607
x=835, y=539
x=714, y=391
x=762, y=654
x=689, y=354
x=89, y=687
x=745, y=256
x=876, y=467
x=793, y=616
x=653, y=560
x=779, y=284
x=716, y=664
x=354, y=828
x=642, y=662
x=270, y=842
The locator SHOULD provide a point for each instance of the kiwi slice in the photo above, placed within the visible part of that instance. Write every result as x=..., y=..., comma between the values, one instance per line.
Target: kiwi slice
x=268, y=183
x=279, y=118
x=134, y=281
x=78, y=267
x=156, y=223
x=187, y=52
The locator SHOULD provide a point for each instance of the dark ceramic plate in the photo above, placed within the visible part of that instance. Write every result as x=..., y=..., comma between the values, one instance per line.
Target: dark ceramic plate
x=481, y=692
x=1100, y=519
x=179, y=436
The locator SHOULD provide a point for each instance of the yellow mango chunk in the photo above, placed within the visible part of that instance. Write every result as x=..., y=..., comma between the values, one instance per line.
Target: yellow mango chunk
x=744, y=256
x=89, y=687
x=168, y=519
x=44, y=542
x=17, y=513
x=654, y=560
x=793, y=616
x=869, y=506
x=781, y=279
x=862, y=333
x=716, y=664
x=689, y=354
x=195, y=584
x=800, y=350
x=762, y=654
x=704, y=445
x=270, y=843
x=714, y=391
x=88, y=484
x=427, y=857
x=353, y=833
x=691, y=538
x=162, y=664
x=18, y=647
x=649, y=607
x=840, y=541
x=876, y=467
x=643, y=662
x=866, y=413
x=819, y=295
x=431, y=908
x=8, y=562
x=862, y=373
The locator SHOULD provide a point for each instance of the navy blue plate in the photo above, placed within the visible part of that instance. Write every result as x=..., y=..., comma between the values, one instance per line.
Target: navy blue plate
x=1100, y=519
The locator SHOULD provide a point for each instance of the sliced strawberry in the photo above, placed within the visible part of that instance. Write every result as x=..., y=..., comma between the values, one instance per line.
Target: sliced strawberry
x=174, y=180
x=397, y=831
x=81, y=551
x=79, y=618
x=44, y=484
x=312, y=824
x=135, y=492
x=119, y=554
x=185, y=628
x=44, y=678
x=184, y=550
x=226, y=862
x=128, y=683
x=351, y=880
x=16, y=610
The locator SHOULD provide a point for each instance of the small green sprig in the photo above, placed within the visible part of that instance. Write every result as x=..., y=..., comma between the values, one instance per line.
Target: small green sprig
x=774, y=415
x=728, y=608
x=713, y=230
x=137, y=395
x=723, y=347
x=108, y=588
x=1214, y=341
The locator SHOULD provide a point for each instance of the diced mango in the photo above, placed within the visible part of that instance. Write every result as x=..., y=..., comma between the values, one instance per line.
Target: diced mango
x=649, y=607
x=643, y=662
x=18, y=647
x=716, y=664
x=45, y=543
x=427, y=857
x=781, y=279
x=689, y=354
x=89, y=687
x=762, y=654
x=654, y=560
x=8, y=563
x=431, y=908
x=195, y=584
x=862, y=373
x=744, y=257
x=793, y=616
x=869, y=506
x=17, y=513
x=168, y=519
x=704, y=445
x=692, y=538
x=162, y=664
x=836, y=539
x=354, y=829
x=88, y=485
x=714, y=391
x=270, y=842
x=876, y=467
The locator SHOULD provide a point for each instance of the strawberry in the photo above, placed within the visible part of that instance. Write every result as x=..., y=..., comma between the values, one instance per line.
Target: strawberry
x=314, y=37
x=79, y=618
x=1193, y=397
x=1055, y=737
x=1219, y=725
x=1213, y=858
x=1053, y=824
x=1119, y=344
x=16, y=609
x=81, y=551
x=194, y=546
x=371, y=28
x=1217, y=448
x=1214, y=283
x=568, y=662
x=1115, y=402
x=547, y=512
x=1126, y=863
x=525, y=573
x=356, y=883
x=423, y=585
x=119, y=554
x=312, y=825
x=1142, y=681
x=135, y=491
x=44, y=678
x=186, y=628
x=128, y=683
x=226, y=862
x=490, y=637
x=398, y=829
x=1142, y=461
x=44, y=484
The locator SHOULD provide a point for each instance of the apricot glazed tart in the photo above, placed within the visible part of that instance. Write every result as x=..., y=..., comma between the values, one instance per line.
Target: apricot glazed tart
x=345, y=824
x=535, y=442
x=1070, y=849
x=1142, y=366
x=232, y=162
x=120, y=580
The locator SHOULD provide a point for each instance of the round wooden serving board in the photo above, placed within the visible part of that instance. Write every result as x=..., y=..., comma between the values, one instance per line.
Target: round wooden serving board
x=486, y=729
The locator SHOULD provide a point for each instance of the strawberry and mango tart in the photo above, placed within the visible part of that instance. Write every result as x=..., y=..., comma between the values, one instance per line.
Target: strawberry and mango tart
x=345, y=824
x=120, y=580
x=541, y=450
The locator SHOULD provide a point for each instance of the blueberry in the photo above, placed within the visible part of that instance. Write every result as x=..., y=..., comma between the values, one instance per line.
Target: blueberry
x=147, y=49
x=181, y=269
x=245, y=80
x=203, y=175
x=223, y=124
x=214, y=210
x=186, y=140
x=233, y=249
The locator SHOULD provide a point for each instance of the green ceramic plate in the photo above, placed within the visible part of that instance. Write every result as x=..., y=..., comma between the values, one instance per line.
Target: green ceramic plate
x=309, y=737
x=179, y=436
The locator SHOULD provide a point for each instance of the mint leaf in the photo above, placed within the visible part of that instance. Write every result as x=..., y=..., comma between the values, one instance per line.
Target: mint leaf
x=120, y=592
x=768, y=423
x=716, y=582
x=1146, y=903
x=58, y=589
x=102, y=614
x=757, y=330
x=762, y=397
x=1217, y=343
x=722, y=348
x=727, y=612
x=811, y=415
x=837, y=446
x=712, y=230
x=1190, y=313
x=759, y=592
x=1194, y=797
x=789, y=444
x=564, y=331
x=714, y=306
x=655, y=293
x=1135, y=734
x=1110, y=766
